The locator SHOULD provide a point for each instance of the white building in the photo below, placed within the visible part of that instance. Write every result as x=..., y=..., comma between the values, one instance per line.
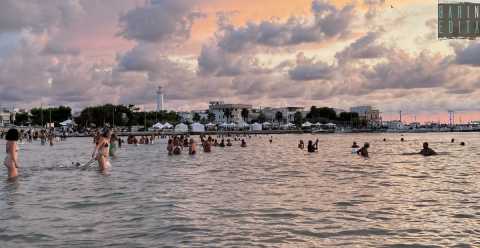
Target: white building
x=5, y=118
x=368, y=113
x=219, y=109
x=288, y=113
x=394, y=125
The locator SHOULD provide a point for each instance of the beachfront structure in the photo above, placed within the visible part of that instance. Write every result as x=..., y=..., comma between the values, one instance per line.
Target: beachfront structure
x=160, y=106
x=368, y=113
x=188, y=117
x=394, y=125
x=5, y=118
x=288, y=113
x=225, y=112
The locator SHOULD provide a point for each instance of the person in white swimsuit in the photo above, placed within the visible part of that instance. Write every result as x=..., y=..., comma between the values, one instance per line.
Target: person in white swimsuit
x=101, y=152
x=11, y=161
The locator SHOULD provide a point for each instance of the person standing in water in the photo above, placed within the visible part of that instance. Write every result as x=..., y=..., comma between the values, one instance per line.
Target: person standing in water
x=113, y=145
x=101, y=152
x=355, y=147
x=364, y=150
x=244, y=144
x=301, y=145
x=11, y=161
x=192, y=149
x=311, y=147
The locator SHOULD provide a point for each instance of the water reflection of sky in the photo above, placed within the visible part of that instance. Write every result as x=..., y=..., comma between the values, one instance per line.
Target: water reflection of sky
x=273, y=195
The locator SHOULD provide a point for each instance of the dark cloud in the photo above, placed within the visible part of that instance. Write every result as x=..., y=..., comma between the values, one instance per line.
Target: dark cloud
x=468, y=55
x=159, y=21
x=327, y=22
x=374, y=6
x=309, y=69
x=37, y=15
x=366, y=47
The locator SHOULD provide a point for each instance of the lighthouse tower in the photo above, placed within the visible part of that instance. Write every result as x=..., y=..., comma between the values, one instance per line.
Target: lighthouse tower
x=160, y=99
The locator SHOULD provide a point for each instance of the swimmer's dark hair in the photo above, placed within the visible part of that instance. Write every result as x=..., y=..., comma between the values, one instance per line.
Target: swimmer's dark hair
x=105, y=132
x=12, y=135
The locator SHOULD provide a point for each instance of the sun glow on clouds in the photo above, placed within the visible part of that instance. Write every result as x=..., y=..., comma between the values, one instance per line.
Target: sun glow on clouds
x=270, y=52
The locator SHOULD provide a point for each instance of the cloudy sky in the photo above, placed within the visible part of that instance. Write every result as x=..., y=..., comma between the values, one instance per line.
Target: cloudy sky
x=265, y=52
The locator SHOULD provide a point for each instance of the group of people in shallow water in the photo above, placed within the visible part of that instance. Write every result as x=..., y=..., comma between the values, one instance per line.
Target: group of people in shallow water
x=363, y=151
x=107, y=143
x=176, y=144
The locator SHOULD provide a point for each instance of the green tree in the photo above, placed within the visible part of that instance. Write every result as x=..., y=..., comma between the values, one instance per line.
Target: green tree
x=261, y=117
x=196, y=117
x=22, y=119
x=211, y=117
x=321, y=114
x=41, y=116
x=228, y=114
x=298, y=119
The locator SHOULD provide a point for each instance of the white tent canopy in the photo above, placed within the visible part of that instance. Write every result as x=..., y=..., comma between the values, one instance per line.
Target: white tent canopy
x=267, y=123
x=158, y=126
x=198, y=128
x=331, y=125
x=307, y=124
x=167, y=125
x=256, y=127
x=181, y=128
x=243, y=124
x=317, y=124
x=210, y=125
x=67, y=123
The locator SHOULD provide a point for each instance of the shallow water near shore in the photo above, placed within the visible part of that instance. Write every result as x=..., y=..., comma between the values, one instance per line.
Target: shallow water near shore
x=265, y=195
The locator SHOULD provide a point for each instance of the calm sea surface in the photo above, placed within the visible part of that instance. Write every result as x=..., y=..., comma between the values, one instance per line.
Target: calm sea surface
x=265, y=195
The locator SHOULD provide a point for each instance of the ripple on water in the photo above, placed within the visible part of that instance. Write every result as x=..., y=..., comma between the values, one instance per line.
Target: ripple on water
x=260, y=196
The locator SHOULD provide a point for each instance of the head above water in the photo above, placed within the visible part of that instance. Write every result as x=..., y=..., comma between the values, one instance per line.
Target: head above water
x=12, y=135
x=425, y=145
x=366, y=145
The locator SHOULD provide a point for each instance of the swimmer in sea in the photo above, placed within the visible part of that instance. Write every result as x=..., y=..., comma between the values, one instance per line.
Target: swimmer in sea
x=207, y=145
x=364, y=150
x=222, y=143
x=192, y=149
x=355, y=147
x=11, y=161
x=462, y=143
x=427, y=151
x=311, y=147
x=229, y=142
x=301, y=145
x=244, y=144
x=101, y=152
x=170, y=147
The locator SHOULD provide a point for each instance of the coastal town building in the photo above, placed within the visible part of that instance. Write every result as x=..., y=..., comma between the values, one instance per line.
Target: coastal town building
x=226, y=112
x=5, y=118
x=368, y=113
x=288, y=113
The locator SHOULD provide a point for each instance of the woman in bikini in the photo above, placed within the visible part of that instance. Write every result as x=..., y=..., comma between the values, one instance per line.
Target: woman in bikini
x=101, y=152
x=11, y=161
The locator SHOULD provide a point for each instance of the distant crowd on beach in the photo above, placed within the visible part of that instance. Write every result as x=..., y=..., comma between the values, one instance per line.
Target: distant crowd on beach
x=106, y=143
